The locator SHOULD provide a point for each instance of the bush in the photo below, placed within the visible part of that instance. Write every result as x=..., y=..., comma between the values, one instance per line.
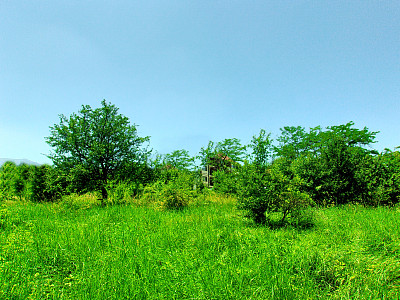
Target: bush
x=174, y=190
x=45, y=184
x=123, y=192
x=34, y=183
x=263, y=194
x=380, y=177
x=330, y=175
x=225, y=182
x=7, y=178
x=174, y=197
x=21, y=179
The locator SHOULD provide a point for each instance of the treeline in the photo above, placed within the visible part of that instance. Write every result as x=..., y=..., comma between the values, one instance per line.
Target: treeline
x=28, y=182
x=331, y=166
x=46, y=183
x=99, y=150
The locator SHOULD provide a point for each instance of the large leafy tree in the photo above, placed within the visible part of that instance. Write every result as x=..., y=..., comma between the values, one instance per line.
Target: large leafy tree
x=293, y=141
x=206, y=153
x=228, y=149
x=232, y=148
x=330, y=165
x=94, y=145
x=179, y=159
x=296, y=141
x=360, y=139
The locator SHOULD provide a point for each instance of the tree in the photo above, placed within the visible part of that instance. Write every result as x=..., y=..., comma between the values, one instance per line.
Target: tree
x=22, y=177
x=292, y=142
x=228, y=150
x=262, y=148
x=232, y=148
x=179, y=159
x=205, y=154
x=95, y=143
x=331, y=166
x=261, y=194
x=7, y=178
x=352, y=136
x=380, y=176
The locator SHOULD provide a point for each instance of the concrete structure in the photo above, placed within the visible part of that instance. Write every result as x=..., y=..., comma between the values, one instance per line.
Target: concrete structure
x=206, y=175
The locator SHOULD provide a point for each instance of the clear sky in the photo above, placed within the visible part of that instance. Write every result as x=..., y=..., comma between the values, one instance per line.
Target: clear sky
x=192, y=71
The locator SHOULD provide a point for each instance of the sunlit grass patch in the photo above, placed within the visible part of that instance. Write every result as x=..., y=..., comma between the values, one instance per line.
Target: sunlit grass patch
x=85, y=201
x=207, y=251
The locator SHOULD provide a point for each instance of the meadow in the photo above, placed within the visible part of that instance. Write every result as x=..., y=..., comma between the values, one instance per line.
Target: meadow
x=76, y=249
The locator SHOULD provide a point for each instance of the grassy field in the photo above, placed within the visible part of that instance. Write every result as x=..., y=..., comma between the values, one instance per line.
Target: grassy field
x=208, y=251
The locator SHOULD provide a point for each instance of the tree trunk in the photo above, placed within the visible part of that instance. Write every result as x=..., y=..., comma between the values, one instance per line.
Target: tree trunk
x=104, y=195
x=285, y=213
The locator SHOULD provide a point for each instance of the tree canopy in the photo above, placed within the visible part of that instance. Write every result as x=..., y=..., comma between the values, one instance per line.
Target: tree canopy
x=95, y=144
x=230, y=149
x=179, y=159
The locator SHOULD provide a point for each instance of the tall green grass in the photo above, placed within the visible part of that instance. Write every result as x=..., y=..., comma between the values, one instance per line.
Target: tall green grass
x=207, y=251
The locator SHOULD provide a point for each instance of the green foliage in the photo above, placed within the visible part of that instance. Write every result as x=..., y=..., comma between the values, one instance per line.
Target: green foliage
x=98, y=150
x=206, y=153
x=380, y=179
x=174, y=197
x=262, y=149
x=75, y=202
x=230, y=149
x=123, y=192
x=37, y=184
x=78, y=180
x=292, y=142
x=34, y=183
x=45, y=184
x=352, y=136
x=151, y=193
x=296, y=141
x=339, y=164
x=330, y=177
x=261, y=194
x=95, y=144
x=328, y=162
x=21, y=179
x=226, y=181
x=137, y=173
x=174, y=190
x=179, y=159
x=7, y=178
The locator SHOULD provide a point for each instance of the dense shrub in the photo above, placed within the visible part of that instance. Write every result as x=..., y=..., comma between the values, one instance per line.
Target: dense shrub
x=123, y=192
x=21, y=179
x=329, y=176
x=380, y=177
x=45, y=184
x=34, y=183
x=226, y=182
x=342, y=174
x=7, y=179
x=174, y=197
x=174, y=190
x=261, y=194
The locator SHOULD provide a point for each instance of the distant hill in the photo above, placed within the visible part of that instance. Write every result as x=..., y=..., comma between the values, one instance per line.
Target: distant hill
x=18, y=161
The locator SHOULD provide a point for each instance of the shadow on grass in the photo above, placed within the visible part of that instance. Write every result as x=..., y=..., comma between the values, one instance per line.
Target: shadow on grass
x=274, y=221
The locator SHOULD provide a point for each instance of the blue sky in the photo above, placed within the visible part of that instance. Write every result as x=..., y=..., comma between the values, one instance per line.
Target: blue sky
x=188, y=72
